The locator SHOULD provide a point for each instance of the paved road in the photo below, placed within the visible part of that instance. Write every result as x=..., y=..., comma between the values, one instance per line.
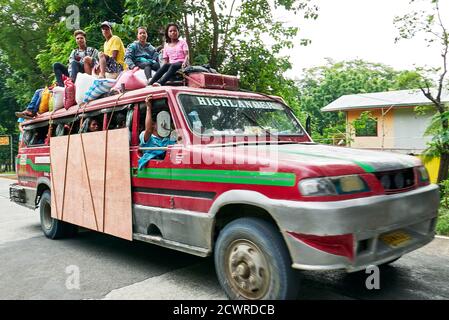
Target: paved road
x=33, y=267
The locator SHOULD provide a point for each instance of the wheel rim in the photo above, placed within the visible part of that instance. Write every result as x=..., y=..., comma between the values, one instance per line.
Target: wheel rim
x=47, y=220
x=247, y=269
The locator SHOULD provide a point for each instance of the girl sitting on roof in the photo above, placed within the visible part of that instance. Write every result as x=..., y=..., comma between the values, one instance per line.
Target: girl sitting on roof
x=175, y=54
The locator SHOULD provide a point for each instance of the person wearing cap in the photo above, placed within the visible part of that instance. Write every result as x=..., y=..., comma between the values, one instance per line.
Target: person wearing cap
x=112, y=60
x=142, y=54
x=82, y=59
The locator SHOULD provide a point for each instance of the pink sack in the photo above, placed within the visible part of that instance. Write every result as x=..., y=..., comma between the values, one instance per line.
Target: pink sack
x=130, y=80
x=69, y=92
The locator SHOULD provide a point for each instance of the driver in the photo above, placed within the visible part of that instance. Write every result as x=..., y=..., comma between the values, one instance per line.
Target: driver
x=156, y=134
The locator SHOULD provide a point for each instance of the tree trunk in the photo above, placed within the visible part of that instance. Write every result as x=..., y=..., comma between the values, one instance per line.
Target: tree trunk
x=188, y=39
x=444, y=167
x=214, y=52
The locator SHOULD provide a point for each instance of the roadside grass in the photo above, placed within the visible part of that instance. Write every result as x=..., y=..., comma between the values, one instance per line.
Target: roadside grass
x=443, y=222
x=7, y=173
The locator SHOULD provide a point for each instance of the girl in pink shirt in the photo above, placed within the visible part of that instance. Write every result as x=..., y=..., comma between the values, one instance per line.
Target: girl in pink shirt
x=176, y=56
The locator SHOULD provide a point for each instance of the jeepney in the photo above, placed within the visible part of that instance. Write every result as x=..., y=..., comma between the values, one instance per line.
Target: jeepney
x=244, y=183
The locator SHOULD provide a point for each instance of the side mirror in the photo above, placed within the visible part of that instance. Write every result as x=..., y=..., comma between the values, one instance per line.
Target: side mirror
x=309, y=125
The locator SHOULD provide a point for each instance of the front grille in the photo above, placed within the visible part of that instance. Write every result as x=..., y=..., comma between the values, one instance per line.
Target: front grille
x=397, y=181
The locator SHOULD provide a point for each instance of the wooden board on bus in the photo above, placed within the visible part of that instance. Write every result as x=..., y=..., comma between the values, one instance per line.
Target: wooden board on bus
x=91, y=182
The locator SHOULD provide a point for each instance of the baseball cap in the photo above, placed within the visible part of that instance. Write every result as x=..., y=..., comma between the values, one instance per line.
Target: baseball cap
x=106, y=23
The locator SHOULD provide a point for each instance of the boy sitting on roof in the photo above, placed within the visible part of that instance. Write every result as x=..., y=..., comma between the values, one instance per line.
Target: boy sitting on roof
x=33, y=106
x=82, y=59
x=156, y=134
x=112, y=60
x=142, y=54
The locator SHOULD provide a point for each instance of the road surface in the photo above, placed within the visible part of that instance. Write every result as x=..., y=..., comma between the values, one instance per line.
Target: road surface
x=34, y=267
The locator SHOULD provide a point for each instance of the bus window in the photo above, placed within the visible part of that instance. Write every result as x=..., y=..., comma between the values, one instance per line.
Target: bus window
x=36, y=136
x=118, y=120
x=163, y=126
x=157, y=106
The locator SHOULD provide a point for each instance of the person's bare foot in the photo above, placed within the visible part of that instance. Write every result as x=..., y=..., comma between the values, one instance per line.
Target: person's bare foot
x=156, y=84
x=25, y=114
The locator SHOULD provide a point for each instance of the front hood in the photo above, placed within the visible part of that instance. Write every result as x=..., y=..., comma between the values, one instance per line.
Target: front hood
x=368, y=160
x=318, y=160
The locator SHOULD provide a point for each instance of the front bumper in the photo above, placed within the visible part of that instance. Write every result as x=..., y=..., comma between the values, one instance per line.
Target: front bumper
x=23, y=195
x=367, y=219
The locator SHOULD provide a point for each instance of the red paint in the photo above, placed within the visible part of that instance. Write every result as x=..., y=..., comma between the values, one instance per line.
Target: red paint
x=234, y=157
x=341, y=245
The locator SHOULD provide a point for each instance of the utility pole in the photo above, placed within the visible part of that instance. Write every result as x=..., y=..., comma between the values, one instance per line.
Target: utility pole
x=13, y=167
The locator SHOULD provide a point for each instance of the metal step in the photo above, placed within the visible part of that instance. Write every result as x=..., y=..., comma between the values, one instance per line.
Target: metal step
x=197, y=251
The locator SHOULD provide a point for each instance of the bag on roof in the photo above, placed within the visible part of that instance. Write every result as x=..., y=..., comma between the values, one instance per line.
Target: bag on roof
x=83, y=82
x=69, y=92
x=58, y=98
x=98, y=88
x=45, y=98
x=204, y=68
x=51, y=103
x=130, y=80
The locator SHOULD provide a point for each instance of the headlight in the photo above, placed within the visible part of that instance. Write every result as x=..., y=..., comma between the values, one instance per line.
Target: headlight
x=332, y=186
x=423, y=174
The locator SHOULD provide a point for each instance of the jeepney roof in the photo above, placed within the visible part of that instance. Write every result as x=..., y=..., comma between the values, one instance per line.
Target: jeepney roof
x=139, y=95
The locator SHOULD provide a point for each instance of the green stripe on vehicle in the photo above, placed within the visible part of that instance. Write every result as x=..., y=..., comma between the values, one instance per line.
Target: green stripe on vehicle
x=365, y=166
x=38, y=167
x=220, y=176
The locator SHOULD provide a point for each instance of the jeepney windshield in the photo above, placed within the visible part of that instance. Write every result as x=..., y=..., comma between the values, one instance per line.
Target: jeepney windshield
x=220, y=115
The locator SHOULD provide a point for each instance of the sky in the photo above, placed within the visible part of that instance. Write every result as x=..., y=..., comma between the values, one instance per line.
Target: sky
x=358, y=29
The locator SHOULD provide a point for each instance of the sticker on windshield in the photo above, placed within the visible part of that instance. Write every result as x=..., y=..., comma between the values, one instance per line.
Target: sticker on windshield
x=233, y=103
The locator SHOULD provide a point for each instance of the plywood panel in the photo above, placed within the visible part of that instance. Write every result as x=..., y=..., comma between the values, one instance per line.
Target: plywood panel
x=58, y=154
x=97, y=192
x=118, y=217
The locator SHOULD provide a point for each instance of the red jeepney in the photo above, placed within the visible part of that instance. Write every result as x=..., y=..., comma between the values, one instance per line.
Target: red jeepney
x=243, y=182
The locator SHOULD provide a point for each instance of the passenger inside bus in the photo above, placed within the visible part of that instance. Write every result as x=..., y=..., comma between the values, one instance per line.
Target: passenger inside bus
x=37, y=139
x=93, y=126
x=156, y=134
x=119, y=121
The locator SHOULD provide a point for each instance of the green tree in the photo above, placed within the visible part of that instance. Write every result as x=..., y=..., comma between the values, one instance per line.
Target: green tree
x=322, y=85
x=23, y=31
x=231, y=36
x=60, y=41
x=431, y=24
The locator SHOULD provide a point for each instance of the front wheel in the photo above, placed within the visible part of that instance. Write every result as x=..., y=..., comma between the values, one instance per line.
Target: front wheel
x=53, y=228
x=252, y=262
x=389, y=262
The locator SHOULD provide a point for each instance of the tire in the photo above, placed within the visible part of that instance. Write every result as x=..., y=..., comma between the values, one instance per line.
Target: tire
x=53, y=228
x=252, y=262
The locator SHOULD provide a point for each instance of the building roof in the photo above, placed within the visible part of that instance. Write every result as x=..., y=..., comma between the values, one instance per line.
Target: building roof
x=401, y=98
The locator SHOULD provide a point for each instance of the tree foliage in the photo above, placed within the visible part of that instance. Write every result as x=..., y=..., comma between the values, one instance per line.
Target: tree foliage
x=322, y=85
x=430, y=24
x=236, y=37
x=231, y=36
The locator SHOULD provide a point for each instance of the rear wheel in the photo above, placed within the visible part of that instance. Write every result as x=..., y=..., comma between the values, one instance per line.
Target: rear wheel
x=252, y=262
x=53, y=228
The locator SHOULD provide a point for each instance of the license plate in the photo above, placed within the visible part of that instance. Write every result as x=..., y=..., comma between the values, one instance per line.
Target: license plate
x=396, y=239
